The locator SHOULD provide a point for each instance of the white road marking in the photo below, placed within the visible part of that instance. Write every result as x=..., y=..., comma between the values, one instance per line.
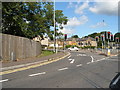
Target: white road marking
x=103, y=59
x=37, y=74
x=92, y=58
x=81, y=55
x=62, y=69
x=89, y=62
x=79, y=65
x=69, y=56
x=3, y=80
x=72, y=61
x=84, y=55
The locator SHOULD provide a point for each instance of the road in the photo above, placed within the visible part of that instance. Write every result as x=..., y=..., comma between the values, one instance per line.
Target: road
x=79, y=70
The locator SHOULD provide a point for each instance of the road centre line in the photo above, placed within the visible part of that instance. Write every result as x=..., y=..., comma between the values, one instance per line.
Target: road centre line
x=4, y=80
x=81, y=55
x=37, y=74
x=32, y=66
x=62, y=69
x=79, y=65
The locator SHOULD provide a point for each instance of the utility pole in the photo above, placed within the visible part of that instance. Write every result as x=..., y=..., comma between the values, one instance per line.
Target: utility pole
x=54, y=30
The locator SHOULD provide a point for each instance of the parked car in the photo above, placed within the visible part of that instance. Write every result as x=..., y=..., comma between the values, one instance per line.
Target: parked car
x=73, y=49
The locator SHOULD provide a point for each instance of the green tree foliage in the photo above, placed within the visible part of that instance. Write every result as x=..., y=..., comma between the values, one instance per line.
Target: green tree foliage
x=75, y=36
x=117, y=35
x=29, y=19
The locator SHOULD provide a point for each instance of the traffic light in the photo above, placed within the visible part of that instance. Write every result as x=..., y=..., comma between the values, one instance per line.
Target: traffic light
x=65, y=36
x=97, y=38
x=109, y=35
x=117, y=39
x=102, y=38
x=106, y=35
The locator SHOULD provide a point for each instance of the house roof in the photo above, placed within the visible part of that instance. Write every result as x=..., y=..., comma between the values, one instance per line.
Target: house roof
x=84, y=39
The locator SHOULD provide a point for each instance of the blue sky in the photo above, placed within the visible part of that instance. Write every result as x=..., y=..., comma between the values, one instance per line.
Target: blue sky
x=89, y=17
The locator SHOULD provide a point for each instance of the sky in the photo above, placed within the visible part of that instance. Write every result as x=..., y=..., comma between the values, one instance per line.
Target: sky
x=89, y=17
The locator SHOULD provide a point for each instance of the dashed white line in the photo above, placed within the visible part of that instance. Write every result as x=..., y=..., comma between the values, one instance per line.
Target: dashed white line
x=62, y=69
x=79, y=65
x=3, y=80
x=89, y=62
x=37, y=74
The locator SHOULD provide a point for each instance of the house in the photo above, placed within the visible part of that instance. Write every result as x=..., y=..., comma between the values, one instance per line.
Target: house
x=44, y=41
x=37, y=38
x=71, y=41
x=81, y=42
x=59, y=43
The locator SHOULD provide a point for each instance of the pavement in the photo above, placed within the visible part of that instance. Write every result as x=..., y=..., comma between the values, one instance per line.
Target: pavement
x=82, y=69
x=31, y=61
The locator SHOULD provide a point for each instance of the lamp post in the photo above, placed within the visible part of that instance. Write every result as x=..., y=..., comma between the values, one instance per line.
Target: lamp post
x=54, y=30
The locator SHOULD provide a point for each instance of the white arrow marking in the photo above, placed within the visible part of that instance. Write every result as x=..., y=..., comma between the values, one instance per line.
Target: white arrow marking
x=62, y=69
x=37, y=74
x=92, y=58
x=79, y=65
x=69, y=56
x=3, y=80
x=72, y=61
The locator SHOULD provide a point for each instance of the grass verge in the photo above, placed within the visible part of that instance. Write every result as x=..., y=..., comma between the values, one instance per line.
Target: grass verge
x=46, y=53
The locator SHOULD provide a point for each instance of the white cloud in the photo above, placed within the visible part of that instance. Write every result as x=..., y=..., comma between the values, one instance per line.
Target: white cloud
x=70, y=5
x=77, y=21
x=68, y=31
x=73, y=23
x=105, y=7
x=98, y=25
x=79, y=9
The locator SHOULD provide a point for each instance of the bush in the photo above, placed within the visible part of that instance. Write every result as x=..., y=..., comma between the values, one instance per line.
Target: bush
x=68, y=46
x=86, y=47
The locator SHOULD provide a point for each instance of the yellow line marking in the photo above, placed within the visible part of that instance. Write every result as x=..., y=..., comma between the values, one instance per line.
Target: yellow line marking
x=32, y=66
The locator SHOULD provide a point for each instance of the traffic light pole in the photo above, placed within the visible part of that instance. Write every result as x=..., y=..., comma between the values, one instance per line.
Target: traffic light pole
x=108, y=48
x=102, y=47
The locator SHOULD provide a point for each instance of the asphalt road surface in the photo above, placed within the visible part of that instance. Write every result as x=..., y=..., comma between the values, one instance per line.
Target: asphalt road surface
x=79, y=70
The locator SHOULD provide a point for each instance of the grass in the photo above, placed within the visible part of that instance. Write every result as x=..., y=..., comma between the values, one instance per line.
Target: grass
x=46, y=53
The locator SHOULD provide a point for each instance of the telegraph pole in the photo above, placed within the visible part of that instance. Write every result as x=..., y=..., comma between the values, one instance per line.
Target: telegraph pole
x=54, y=30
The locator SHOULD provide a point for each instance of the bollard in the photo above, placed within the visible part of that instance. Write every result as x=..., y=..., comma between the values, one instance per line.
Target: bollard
x=108, y=52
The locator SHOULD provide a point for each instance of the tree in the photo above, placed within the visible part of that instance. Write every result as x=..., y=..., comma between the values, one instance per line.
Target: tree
x=75, y=36
x=30, y=19
x=117, y=35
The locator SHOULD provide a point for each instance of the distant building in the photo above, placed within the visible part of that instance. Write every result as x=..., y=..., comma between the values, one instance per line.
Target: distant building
x=71, y=41
x=44, y=41
x=81, y=42
x=59, y=43
x=37, y=39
